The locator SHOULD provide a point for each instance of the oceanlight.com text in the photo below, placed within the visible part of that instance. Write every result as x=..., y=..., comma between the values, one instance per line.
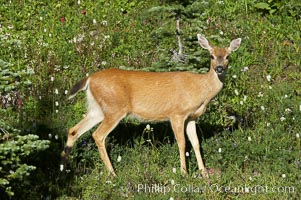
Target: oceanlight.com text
x=214, y=188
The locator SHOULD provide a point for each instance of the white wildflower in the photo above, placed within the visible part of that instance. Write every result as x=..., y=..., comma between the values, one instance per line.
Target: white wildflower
x=300, y=107
x=80, y=37
x=171, y=198
x=174, y=170
x=245, y=69
x=187, y=154
x=119, y=158
x=219, y=150
x=41, y=18
x=249, y=139
x=297, y=135
x=260, y=94
x=94, y=21
x=78, y=2
x=172, y=181
x=103, y=62
x=105, y=23
x=245, y=98
x=241, y=102
x=236, y=92
x=56, y=137
x=61, y=167
x=282, y=118
x=6, y=35
x=269, y=78
x=66, y=92
x=288, y=110
x=270, y=87
x=285, y=96
x=262, y=108
x=283, y=175
x=148, y=127
x=268, y=124
x=56, y=91
x=56, y=111
x=49, y=135
x=234, y=76
x=51, y=78
x=56, y=103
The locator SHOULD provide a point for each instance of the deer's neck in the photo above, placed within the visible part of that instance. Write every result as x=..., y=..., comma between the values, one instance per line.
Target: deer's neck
x=215, y=83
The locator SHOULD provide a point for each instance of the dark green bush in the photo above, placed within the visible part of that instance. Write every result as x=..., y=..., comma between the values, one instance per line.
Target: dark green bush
x=250, y=132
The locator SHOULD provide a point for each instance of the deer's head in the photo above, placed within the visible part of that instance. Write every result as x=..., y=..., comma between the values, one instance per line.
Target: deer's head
x=219, y=56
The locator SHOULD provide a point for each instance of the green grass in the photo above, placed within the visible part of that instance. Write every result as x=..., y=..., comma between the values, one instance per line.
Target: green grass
x=151, y=172
x=250, y=133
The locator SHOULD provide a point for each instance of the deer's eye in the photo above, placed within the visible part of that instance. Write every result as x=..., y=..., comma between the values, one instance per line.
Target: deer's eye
x=227, y=57
x=212, y=57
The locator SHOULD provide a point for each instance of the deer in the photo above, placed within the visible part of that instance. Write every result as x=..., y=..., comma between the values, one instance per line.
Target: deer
x=178, y=97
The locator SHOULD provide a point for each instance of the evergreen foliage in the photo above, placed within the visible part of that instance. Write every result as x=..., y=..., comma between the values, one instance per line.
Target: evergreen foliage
x=250, y=133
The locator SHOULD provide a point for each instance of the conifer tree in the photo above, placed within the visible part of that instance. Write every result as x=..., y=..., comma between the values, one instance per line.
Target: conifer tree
x=181, y=21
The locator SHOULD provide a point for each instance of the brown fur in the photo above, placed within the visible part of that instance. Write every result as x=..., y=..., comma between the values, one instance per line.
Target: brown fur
x=77, y=87
x=179, y=97
x=141, y=93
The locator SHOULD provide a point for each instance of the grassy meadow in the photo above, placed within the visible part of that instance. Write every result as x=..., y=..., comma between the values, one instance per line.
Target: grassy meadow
x=250, y=133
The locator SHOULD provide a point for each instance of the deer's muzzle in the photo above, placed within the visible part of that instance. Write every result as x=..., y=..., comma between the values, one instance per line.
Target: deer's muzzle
x=219, y=70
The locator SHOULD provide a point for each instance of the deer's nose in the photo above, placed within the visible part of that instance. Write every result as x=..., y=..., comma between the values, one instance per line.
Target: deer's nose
x=219, y=69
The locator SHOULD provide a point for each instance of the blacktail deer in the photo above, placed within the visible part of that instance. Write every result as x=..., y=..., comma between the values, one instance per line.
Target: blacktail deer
x=180, y=97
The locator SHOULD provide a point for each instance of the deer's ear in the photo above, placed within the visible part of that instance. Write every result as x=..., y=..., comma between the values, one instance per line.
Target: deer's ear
x=234, y=45
x=203, y=42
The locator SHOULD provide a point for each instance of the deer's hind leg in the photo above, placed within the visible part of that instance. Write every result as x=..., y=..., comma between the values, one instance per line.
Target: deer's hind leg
x=94, y=116
x=104, y=129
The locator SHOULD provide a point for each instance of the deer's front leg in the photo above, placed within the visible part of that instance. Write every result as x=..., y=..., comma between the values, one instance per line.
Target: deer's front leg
x=177, y=124
x=192, y=136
